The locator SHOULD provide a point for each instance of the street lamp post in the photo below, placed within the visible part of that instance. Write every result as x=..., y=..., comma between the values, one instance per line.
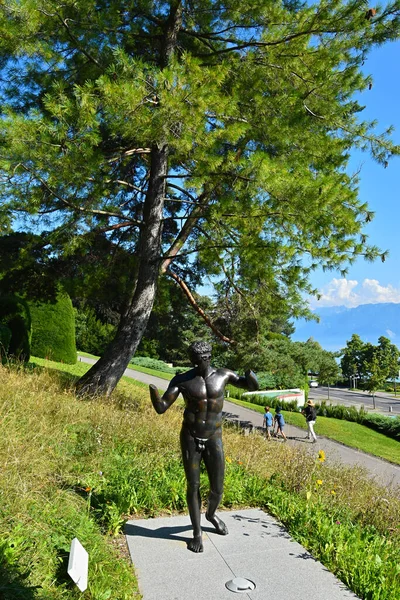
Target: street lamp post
x=353, y=379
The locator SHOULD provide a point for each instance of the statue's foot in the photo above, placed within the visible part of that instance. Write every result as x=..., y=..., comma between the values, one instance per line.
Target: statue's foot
x=196, y=544
x=218, y=524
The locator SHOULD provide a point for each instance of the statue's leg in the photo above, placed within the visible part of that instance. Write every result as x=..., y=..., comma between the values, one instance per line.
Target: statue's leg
x=191, y=463
x=214, y=460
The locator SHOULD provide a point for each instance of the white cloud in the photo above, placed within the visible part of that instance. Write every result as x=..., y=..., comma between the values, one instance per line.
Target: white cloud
x=349, y=293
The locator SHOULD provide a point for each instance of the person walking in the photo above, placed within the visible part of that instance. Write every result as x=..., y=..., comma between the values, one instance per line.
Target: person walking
x=280, y=423
x=267, y=423
x=310, y=414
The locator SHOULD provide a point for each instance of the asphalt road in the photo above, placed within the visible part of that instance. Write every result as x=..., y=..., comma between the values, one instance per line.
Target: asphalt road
x=384, y=403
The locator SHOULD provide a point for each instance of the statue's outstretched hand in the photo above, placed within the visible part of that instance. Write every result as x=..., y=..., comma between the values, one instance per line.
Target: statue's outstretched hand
x=154, y=394
x=251, y=379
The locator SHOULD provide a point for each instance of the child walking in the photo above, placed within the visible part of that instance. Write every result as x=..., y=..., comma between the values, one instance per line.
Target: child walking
x=267, y=423
x=280, y=423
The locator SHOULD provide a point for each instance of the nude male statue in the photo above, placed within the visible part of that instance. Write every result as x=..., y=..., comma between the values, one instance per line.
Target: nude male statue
x=201, y=435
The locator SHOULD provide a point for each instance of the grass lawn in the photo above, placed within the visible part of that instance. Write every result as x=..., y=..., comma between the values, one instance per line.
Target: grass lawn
x=80, y=468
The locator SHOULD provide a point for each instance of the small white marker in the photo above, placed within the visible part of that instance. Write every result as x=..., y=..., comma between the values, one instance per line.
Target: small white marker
x=78, y=564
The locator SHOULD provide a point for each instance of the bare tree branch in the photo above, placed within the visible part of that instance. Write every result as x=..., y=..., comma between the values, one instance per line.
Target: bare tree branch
x=198, y=309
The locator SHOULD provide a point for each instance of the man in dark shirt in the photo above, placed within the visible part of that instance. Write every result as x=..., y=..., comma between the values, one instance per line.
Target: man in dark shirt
x=203, y=390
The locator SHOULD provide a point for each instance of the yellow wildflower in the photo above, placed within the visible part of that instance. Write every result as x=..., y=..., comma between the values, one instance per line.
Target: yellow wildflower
x=319, y=482
x=229, y=460
x=321, y=456
x=333, y=492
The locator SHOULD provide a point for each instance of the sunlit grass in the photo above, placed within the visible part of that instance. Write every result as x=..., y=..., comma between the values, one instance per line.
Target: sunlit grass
x=80, y=468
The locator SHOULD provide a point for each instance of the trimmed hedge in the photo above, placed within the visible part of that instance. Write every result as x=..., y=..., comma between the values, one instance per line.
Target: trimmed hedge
x=53, y=326
x=15, y=317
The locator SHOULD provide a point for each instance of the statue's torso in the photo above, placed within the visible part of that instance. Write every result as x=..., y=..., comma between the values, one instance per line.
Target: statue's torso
x=204, y=399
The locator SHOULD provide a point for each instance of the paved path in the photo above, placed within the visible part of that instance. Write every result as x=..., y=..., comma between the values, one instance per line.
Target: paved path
x=257, y=549
x=386, y=472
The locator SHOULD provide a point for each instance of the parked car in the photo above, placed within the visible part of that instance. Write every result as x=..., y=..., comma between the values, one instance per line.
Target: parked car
x=313, y=384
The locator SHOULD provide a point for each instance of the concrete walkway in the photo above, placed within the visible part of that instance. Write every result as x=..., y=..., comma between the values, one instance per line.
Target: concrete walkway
x=258, y=550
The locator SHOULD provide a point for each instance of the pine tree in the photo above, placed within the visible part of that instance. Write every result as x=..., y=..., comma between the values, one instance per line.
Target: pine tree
x=201, y=136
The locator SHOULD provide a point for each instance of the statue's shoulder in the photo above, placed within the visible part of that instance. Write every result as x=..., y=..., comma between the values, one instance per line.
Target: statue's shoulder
x=225, y=372
x=182, y=377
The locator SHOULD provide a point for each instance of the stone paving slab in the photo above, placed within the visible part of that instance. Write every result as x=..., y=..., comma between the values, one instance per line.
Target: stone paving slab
x=257, y=548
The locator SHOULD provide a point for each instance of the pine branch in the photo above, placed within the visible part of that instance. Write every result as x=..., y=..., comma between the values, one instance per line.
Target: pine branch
x=198, y=309
x=184, y=233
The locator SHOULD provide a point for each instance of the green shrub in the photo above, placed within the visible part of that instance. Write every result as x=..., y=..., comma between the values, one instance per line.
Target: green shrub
x=92, y=335
x=266, y=380
x=53, y=330
x=152, y=363
x=15, y=316
x=389, y=426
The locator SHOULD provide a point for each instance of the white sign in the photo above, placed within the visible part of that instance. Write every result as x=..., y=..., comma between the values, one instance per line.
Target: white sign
x=78, y=564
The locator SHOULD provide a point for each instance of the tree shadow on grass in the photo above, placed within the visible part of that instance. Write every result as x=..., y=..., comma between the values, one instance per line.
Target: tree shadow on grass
x=13, y=585
x=66, y=378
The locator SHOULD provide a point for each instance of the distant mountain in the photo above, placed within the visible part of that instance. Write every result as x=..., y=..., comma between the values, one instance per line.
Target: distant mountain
x=338, y=323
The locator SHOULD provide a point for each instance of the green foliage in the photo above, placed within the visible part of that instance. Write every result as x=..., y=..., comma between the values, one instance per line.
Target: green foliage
x=373, y=365
x=53, y=330
x=266, y=380
x=152, y=363
x=15, y=316
x=103, y=103
x=91, y=334
x=389, y=426
x=174, y=325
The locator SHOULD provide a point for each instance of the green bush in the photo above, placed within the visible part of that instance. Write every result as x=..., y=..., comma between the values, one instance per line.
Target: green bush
x=15, y=316
x=266, y=380
x=53, y=330
x=152, y=363
x=389, y=426
x=92, y=335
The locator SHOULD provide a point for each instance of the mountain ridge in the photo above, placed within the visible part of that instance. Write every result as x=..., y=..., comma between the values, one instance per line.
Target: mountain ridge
x=338, y=323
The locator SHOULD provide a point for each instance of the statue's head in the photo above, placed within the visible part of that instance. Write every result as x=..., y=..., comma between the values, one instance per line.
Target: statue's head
x=199, y=351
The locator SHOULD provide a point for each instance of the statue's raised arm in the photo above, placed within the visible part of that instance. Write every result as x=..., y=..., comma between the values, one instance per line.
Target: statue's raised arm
x=248, y=382
x=161, y=404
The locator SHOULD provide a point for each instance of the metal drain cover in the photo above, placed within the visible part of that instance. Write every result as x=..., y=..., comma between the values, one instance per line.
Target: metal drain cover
x=240, y=585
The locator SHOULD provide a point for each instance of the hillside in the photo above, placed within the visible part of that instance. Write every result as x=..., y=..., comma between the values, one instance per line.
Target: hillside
x=338, y=323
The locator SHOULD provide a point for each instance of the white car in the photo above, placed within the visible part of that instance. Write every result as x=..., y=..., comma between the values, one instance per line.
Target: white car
x=313, y=384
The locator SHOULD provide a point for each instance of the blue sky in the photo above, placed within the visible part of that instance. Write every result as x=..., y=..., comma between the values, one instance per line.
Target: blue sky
x=374, y=282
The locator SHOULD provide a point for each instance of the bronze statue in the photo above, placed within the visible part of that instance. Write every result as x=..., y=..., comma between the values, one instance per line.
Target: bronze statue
x=203, y=390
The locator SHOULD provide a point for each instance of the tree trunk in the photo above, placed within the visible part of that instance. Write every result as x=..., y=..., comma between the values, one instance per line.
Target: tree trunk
x=105, y=374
